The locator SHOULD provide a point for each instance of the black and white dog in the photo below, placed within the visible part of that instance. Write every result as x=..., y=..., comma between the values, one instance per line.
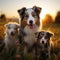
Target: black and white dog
x=43, y=45
x=30, y=23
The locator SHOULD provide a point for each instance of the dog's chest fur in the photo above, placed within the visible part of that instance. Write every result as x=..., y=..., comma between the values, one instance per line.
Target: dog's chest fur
x=10, y=42
x=30, y=36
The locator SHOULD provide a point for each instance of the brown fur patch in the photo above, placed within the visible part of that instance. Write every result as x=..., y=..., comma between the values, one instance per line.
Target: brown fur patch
x=37, y=21
x=24, y=23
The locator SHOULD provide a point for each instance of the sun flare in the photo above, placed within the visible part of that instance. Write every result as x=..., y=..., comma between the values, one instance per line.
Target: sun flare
x=43, y=13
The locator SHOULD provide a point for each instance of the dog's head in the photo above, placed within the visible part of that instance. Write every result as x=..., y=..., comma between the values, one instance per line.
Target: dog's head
x=43, y=36
x=12, y=28
x=30, y=16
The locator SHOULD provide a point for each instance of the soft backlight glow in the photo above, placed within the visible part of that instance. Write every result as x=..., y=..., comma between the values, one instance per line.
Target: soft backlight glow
x=43, y=13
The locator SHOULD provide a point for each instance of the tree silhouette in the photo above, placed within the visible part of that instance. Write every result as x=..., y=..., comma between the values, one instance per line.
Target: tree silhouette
x=2, y=17
x=48, y=19
x=57, y=18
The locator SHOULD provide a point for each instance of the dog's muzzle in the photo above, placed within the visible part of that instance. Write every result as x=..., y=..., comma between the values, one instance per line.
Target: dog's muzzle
x=31, y=24
x=12, y=33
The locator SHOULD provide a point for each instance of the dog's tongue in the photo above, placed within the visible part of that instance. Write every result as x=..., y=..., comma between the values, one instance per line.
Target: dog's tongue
x=31, y=26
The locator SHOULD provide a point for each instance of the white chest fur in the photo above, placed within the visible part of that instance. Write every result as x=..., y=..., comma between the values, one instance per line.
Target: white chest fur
x=30, y=37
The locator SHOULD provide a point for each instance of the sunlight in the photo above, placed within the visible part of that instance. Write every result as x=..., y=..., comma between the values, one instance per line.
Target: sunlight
x=43, y=13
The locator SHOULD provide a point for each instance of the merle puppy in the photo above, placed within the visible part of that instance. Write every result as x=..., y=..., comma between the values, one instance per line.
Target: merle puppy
x=43, y=45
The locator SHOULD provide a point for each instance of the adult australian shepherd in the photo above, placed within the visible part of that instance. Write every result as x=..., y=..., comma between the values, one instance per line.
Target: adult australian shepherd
x=29, y=24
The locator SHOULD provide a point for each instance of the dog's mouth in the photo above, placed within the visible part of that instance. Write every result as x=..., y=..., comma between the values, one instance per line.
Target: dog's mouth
x=31, y=26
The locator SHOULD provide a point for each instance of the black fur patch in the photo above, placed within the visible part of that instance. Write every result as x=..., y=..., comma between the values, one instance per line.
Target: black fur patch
x=37, y=9
x=22, y=12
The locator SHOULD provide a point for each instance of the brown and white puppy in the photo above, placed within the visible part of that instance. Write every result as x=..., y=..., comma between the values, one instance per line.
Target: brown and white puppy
x=43, y=45
x=30, y=23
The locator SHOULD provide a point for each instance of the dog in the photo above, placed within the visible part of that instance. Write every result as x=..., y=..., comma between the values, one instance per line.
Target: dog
x=11, y=36
x=30, y=23
x=43, y=45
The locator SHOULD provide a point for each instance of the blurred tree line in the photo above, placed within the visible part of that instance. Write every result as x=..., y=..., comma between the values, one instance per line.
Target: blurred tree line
x=48, y=19
x=2, y=17
x=57, y=18
x=5, y=19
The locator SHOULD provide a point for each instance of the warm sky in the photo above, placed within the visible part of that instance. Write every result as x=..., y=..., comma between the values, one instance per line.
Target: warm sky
x=10, y=7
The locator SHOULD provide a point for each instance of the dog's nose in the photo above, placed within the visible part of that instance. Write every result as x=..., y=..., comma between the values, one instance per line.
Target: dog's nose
x=43, y=42
x=12, y=33
x=31, y=22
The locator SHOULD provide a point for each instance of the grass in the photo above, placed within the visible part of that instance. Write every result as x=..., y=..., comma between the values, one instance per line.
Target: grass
x=55, y=28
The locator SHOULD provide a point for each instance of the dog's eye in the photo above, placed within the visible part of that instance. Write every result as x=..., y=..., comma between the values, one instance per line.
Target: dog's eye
x=40, y=36
x=8, y=27
x=46, y=37
x=15, y=28
x=26, y=16
x=35, y=15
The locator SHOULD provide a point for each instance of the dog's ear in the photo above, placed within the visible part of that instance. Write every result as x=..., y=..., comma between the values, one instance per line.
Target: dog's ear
x=37, y=34
x=50, y=34
x=37, y=9
x=21, y=11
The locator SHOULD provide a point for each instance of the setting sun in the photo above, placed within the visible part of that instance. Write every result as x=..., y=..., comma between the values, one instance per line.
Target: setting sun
x=43, y=13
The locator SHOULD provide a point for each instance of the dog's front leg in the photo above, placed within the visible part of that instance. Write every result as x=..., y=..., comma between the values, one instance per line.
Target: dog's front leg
x=25, y=50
